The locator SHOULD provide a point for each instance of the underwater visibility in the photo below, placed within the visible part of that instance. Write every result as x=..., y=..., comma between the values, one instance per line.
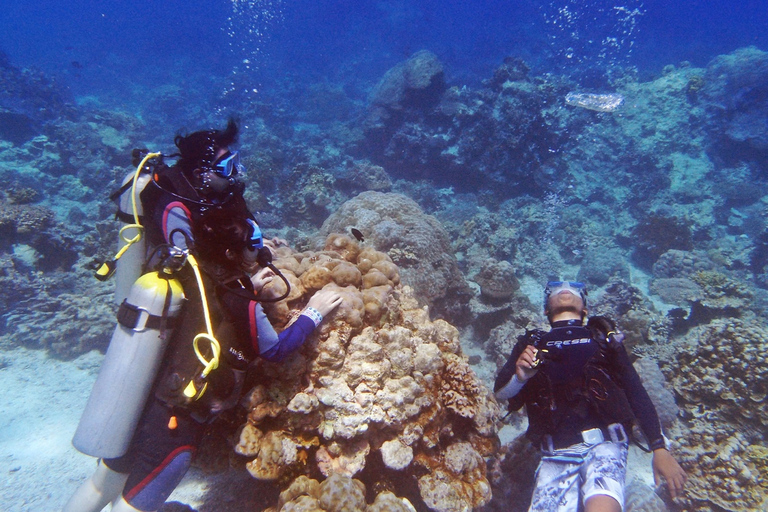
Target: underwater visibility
x=388, y=255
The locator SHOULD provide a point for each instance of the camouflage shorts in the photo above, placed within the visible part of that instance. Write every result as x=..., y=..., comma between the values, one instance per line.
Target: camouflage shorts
x=568, y=477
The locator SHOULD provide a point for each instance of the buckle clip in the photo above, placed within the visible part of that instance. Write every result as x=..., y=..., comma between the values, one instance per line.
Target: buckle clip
x=592, y=436
x=617, y=433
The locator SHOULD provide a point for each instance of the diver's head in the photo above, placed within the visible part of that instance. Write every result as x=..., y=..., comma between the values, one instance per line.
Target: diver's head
x=565, y=300
x=207, y=162
x=232, y=242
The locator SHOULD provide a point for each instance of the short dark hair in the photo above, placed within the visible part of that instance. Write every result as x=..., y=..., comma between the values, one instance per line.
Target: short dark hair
x=198, y=149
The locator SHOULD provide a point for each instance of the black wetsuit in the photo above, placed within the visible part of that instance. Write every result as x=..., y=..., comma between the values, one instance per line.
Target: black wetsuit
x=580, y=387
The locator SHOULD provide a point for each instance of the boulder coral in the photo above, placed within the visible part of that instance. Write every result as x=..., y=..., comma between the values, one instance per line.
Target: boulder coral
x=418, y=79
x=379, y=392
x=724, y=372
x=336, y=494
x=720, y=380
x=416, y=242
x=497, y=280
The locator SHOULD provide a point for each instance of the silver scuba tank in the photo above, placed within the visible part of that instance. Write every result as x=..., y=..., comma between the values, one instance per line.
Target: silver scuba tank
x=130, y=366
x=130, y=264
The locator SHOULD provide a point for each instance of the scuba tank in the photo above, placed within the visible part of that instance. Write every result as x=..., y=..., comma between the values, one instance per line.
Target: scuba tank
x=145, y=320
x=129, y=261
x=130, y=265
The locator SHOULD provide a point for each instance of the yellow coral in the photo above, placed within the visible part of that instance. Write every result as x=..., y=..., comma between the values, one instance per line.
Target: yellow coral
x=378, y=370
x=347, y=248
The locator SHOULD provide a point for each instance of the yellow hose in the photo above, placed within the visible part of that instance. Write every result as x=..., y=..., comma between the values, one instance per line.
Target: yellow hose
x=106, y=269
x=208, y=335
x=137, y=224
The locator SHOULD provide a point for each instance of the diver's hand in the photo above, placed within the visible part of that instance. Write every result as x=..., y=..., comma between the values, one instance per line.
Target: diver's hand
x=524, y=368
x=262, y=278
x=325, y=301
x=665, y=466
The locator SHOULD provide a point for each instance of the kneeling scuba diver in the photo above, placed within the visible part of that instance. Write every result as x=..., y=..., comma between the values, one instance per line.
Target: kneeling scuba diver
x=164, y=204
x=174, y=420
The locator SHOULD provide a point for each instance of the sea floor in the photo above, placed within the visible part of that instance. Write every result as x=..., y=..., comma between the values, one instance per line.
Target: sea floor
x=43, y=400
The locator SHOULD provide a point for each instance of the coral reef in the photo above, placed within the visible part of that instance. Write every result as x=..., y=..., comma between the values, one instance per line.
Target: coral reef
x=385, y=396
x=415, y=242
x=722, y=372
x=656, y=234
x=497, y=136
x=308, y=195
x=337, y=493
x=632, y=311
x=726, y=468
x=734, y=86
x=497, y=280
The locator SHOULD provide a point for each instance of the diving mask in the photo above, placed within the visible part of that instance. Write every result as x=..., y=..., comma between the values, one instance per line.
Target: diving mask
x=256, y=240
x=228, y=165
x=575, y=287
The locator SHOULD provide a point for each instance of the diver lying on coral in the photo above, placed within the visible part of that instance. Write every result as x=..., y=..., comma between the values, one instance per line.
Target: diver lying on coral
x=581, y=394
x=174, y=421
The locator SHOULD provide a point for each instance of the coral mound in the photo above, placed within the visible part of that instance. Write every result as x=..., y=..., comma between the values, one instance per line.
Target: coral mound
x=336, y=494
x=381, y=393
x=416, y=242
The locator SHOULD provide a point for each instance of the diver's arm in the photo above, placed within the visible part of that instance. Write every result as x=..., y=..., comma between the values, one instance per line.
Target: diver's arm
x=319, y=306
x=276, y=347
x=638, y=397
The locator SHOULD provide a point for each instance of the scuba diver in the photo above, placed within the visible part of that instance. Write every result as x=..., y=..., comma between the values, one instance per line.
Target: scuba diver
x=203, y=179
x=174, y=422
x=200, y=342
x=581, y=394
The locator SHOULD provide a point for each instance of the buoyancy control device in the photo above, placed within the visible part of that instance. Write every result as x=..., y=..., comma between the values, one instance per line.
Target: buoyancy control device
x=130, y=365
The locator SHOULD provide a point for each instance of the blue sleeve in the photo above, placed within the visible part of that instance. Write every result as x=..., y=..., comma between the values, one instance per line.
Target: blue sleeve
x=276, y=347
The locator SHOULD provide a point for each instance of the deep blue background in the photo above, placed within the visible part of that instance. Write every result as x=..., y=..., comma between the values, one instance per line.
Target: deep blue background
x=99, y=46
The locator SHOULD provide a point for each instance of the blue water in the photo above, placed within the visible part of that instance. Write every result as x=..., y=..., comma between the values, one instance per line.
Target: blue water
x=98, y=47
x=660, y=206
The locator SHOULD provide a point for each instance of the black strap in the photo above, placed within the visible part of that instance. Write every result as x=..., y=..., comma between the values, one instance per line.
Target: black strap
x=128, y=218
x=129, y=315
x=117, y=193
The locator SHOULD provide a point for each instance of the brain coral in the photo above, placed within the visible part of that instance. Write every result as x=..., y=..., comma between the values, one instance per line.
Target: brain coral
x=384, y=398
x=417, y=243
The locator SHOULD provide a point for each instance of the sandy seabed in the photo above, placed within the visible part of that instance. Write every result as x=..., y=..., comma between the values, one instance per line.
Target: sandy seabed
x=42, y=402
x=43, y=399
